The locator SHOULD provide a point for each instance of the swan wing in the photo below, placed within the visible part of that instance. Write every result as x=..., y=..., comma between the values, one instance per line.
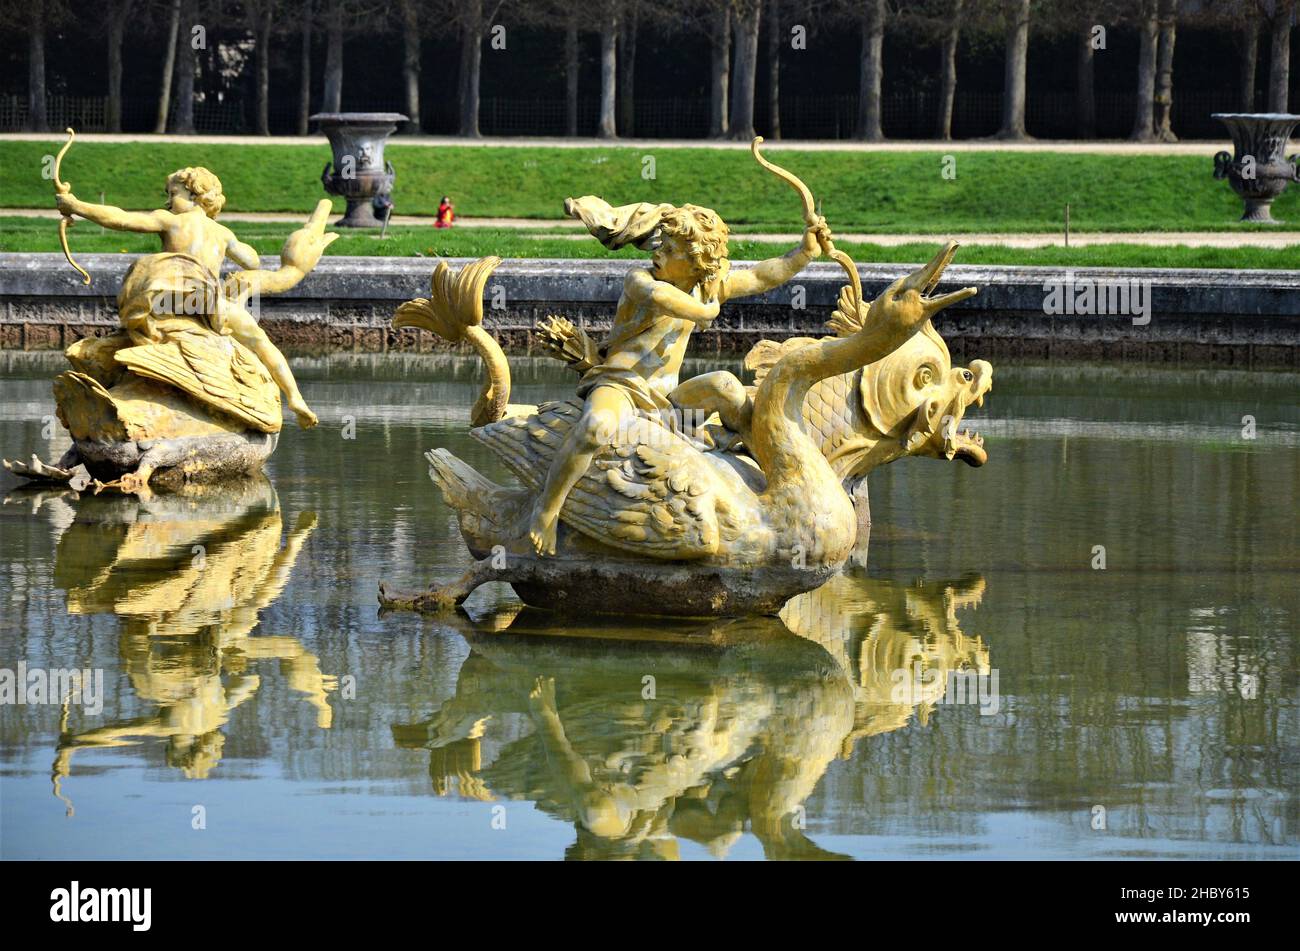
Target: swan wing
x=653, y=493
x=218, y=372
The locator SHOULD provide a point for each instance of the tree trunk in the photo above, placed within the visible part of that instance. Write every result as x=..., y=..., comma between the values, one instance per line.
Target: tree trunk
x=948, y=72
x=117, y=14
x=608, y=76
x=1013, y=77
x=1085, y=87
x=719, y=67
x=1144, y=119
x=37, y=121
x=1249, y=44
x=471, y=64
x=774, y=69
x=626, y=71
x=304, y=71
x=744, y=81
x=187, y=64
x=871, y=70
x=169, y=67
x=411, y=64
x=1279, y=71
x=332, y=94
x=571, y=67
x=1165, y=71
x=264, y=72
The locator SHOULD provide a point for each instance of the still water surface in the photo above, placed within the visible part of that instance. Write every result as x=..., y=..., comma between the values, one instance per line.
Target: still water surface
x=1148, y=709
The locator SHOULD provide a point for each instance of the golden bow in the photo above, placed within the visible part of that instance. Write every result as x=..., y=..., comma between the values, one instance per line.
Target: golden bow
x=65, y=222
x=810, y=216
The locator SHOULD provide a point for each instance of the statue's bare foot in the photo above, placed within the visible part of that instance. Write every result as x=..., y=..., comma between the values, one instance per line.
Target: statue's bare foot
x=541, y=532
x=306, y=418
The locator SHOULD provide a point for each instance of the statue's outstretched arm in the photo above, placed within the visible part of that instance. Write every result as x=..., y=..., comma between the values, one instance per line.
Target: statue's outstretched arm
x=110, y=216
x=301, y=252
x=774, y=272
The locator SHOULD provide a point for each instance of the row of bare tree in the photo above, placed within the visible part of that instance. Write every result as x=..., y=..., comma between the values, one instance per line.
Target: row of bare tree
x=733, y=28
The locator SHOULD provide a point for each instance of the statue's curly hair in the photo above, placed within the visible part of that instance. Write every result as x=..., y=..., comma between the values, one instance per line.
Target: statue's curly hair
x=203, y=185
x=704, y=235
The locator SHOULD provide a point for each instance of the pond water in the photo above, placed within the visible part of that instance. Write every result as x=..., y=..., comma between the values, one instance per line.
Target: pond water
x=256, y=704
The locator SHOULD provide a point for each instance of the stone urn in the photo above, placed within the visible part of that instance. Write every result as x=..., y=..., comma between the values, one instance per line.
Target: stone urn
x=1258, y=170
x=359, y=172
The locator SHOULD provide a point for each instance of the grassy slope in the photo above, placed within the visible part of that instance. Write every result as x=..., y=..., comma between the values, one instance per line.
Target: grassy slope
x=36, y=234
x=894, y=192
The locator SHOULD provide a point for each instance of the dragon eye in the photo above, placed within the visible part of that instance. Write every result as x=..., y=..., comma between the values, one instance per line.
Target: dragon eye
x=967, y=375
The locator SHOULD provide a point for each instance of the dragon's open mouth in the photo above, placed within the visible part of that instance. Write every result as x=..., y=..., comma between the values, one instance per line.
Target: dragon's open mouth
x=927, y=278
x=966, y=444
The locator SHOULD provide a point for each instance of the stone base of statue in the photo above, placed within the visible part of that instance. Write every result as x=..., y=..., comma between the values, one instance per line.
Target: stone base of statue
x=130, y=429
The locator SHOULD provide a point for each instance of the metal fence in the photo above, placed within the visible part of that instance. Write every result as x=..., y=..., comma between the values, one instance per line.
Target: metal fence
x=904, y=115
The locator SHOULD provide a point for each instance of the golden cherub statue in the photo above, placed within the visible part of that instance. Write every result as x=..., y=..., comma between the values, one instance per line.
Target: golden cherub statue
x=643, y=495
x=688, y=280
x=191, y=376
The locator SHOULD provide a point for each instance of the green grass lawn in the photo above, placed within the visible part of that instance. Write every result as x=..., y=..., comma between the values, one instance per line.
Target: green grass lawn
x=41, y=234
x=888, y=192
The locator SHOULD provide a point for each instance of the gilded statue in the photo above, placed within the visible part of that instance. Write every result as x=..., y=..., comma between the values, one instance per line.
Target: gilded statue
x=189, y=388
x=645, y=494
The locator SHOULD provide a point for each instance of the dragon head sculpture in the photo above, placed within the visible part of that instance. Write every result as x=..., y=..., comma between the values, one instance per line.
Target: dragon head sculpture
x=911, y=403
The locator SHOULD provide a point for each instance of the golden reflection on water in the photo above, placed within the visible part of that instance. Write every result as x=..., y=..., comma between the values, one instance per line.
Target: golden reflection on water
x=188, y=575
x=641, y=736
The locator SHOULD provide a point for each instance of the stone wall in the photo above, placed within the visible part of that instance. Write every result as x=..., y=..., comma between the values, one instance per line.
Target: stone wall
x=1237, y=318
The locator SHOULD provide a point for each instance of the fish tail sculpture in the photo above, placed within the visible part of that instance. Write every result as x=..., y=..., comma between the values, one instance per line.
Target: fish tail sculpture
x=454, y=311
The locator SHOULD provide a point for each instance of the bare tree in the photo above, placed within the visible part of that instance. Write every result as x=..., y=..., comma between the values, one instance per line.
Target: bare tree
x=1015, y=66
x=187, y=66
x=117, y=12
x=606, y=127
x=627, y=66
x=774, y=69
x=1164, y=100
x=871, y=69
x=304, y=66
x=929, y=21
x=948, y=71
x=572, y=65
x=1085, y=87
x=36, y=19
x=1280, y=15
x=409, y=25
x=472, y=18
x=168, y=68
x=1145, y=99
x=1248, y=47
x=745, y=22
x=719, y=66
x=332, y=90
x=260, y=17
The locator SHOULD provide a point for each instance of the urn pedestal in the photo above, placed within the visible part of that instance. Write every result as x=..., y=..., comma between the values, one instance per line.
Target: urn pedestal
x=1257, y=170
x=358, y=173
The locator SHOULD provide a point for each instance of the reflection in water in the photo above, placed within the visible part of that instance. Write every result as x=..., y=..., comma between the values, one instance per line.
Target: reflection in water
x=187, y=575
x=642, y=737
